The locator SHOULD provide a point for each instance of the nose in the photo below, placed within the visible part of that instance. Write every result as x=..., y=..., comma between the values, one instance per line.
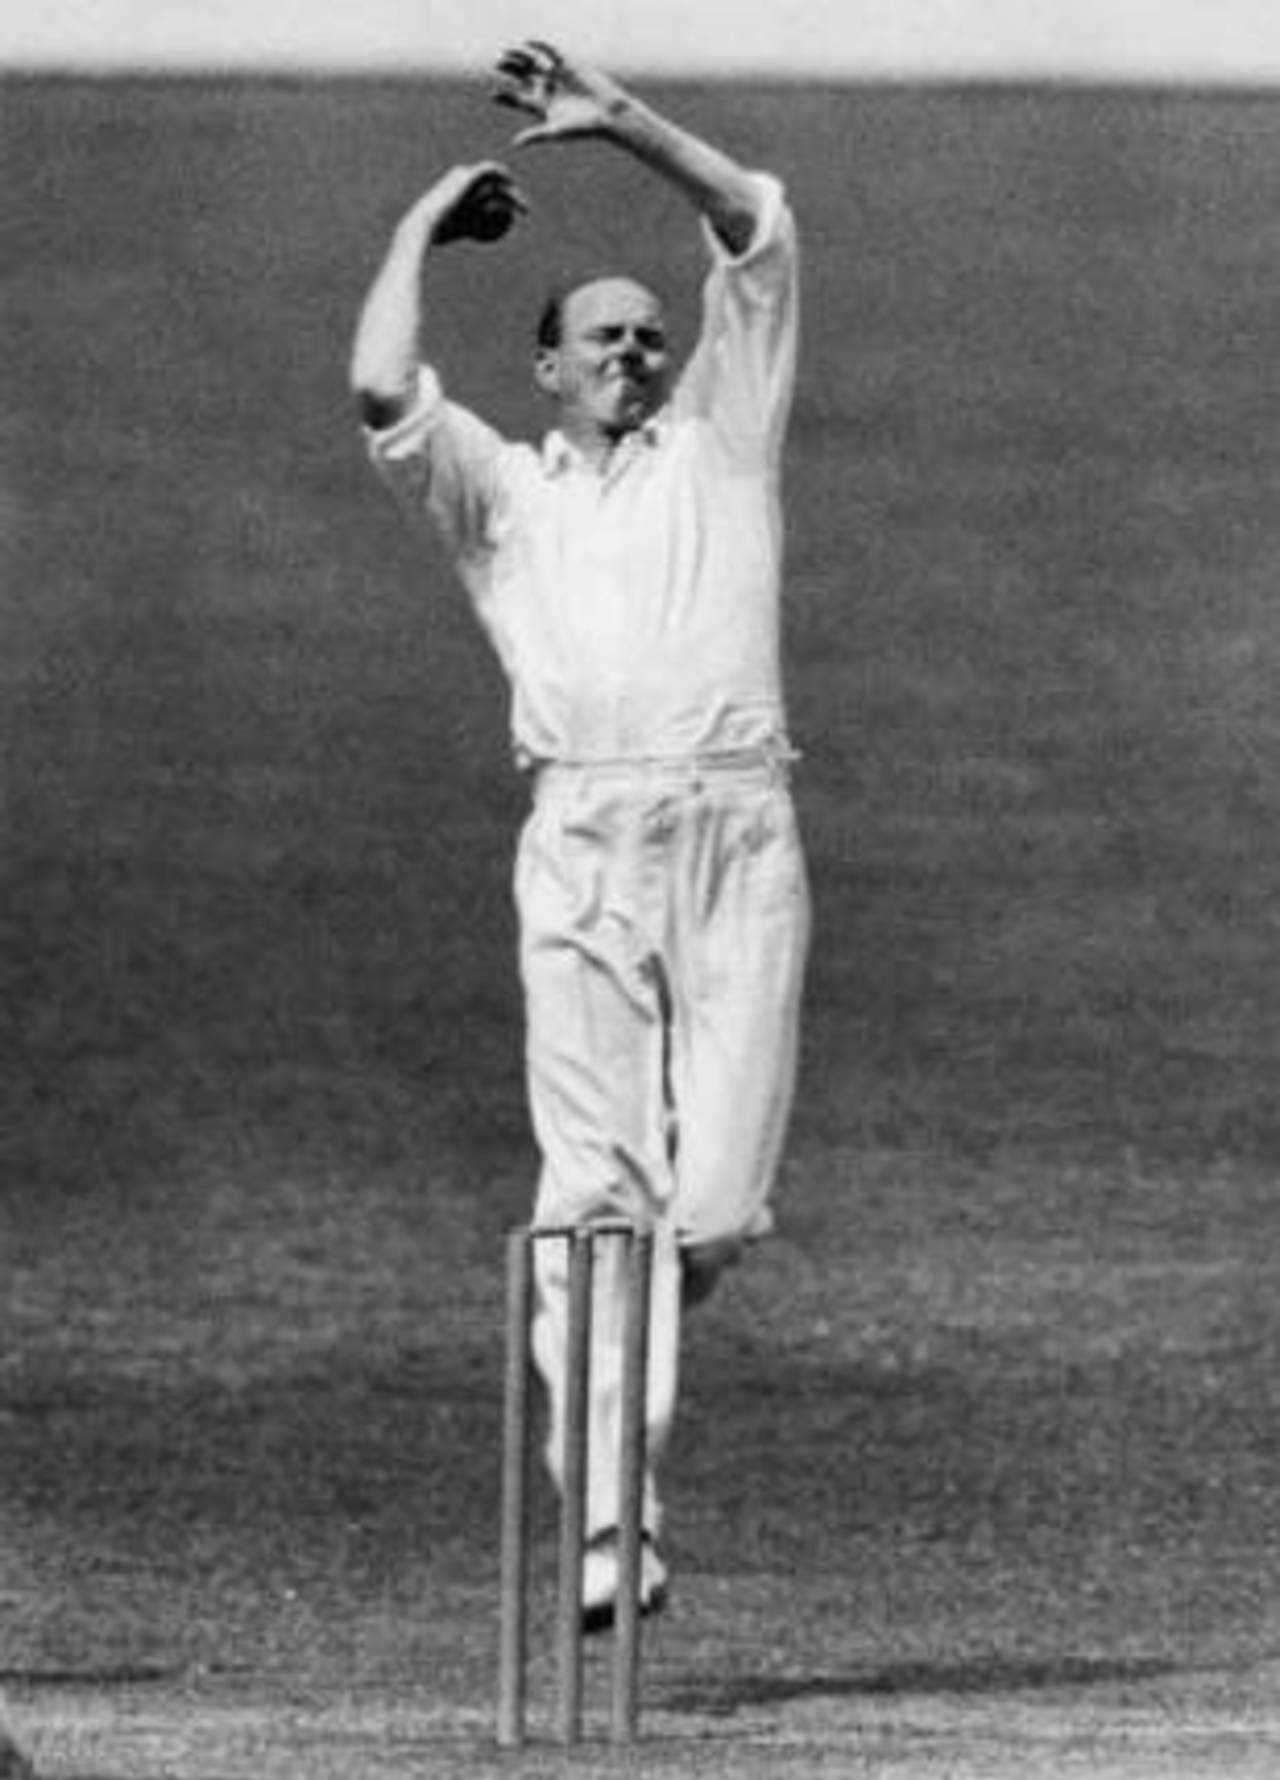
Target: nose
x=634, y=349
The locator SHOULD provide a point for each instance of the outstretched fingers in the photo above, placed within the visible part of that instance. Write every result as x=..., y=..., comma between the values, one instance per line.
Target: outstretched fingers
x=526, y=77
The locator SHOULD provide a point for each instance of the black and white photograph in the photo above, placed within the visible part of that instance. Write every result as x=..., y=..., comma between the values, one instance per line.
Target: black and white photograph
x=640, y=889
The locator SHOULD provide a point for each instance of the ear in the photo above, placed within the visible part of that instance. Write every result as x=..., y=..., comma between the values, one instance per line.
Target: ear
x=546, y=370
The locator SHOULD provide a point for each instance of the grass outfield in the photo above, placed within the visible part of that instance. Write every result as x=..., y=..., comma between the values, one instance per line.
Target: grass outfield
x=979, y=1460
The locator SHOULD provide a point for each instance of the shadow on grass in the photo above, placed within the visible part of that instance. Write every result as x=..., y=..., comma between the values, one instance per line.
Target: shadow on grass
x=91, y=1675
x=983, y=1675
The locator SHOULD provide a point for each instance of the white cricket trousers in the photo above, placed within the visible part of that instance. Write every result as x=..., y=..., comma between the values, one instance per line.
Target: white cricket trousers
x=664, y=922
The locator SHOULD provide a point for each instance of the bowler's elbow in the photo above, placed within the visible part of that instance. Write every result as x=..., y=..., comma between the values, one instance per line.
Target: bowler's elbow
x=382, y=381
x=378, y=409
x=737, y=226
x=737, y=211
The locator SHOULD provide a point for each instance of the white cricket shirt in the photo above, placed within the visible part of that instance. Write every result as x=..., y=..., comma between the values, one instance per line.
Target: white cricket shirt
x=635, y=611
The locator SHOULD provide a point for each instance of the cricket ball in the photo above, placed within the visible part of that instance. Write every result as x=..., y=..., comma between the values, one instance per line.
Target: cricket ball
x=490, y=218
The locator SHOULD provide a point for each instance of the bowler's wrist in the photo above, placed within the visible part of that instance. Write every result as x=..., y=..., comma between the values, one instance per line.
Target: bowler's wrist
x=627, y=118
x=421, y=227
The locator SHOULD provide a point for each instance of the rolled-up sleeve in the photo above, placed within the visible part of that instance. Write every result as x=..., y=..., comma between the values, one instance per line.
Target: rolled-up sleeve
x=440, y=462
x=742, y=373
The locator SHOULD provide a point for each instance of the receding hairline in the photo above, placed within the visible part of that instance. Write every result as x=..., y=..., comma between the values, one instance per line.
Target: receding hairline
x=551, y=317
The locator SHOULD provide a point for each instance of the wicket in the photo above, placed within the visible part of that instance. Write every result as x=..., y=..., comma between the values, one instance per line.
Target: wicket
x=517, y=1463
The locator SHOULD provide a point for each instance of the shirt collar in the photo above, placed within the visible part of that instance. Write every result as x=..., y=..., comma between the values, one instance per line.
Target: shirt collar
x=559, y=455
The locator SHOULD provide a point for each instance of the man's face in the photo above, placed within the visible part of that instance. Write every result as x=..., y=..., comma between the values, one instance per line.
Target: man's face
x=609, y=372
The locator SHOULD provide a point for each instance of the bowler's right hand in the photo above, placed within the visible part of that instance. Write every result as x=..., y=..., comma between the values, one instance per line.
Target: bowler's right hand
x=567, y=100
x=473, y=203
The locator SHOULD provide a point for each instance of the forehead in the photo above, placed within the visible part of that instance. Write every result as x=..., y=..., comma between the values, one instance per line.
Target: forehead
x=610, y=302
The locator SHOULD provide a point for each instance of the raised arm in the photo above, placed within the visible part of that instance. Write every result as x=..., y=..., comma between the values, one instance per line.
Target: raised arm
x=473, y=203
x=571, y=101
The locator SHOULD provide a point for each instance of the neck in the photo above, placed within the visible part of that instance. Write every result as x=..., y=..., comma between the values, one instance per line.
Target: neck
x=595, y=443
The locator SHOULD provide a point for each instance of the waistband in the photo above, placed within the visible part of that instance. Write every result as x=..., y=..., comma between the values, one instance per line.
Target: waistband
x=769, y=760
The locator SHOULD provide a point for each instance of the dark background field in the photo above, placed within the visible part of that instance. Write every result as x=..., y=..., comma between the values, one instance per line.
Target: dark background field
x=998, y=1410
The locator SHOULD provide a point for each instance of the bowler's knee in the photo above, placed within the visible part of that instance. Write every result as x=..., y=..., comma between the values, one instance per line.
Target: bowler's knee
x=703, y=1263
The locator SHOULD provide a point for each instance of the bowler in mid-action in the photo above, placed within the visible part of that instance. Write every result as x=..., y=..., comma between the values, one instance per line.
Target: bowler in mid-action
x=628, y=574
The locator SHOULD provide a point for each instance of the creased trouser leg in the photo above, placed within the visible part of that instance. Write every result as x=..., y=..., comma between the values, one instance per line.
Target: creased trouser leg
x=662, y=943
x=605, y=1402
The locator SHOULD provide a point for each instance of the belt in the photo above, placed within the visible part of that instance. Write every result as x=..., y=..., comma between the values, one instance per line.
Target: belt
x=772, y=758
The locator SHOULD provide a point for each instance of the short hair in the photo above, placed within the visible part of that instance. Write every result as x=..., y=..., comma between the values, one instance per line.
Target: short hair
x=550, y=330
x=551, y=319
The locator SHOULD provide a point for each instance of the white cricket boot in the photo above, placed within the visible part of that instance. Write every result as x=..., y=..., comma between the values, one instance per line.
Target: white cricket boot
x=600, y=1581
